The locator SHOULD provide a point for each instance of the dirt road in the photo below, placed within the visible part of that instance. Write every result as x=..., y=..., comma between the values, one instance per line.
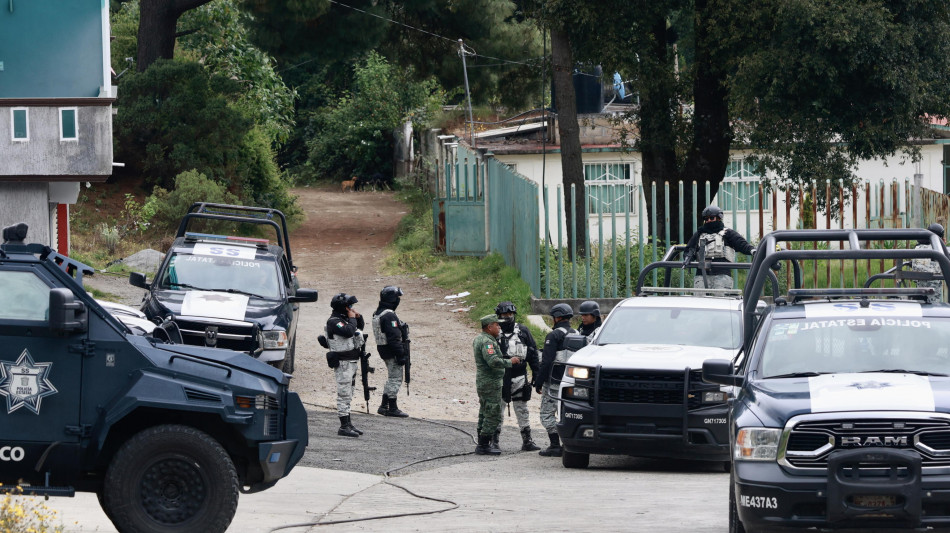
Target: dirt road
x=340, y=249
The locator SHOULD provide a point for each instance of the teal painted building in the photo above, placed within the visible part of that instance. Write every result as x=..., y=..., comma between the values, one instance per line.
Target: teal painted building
x=56, y=99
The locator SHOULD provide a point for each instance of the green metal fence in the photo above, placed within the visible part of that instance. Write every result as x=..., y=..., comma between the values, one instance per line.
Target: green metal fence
x=513, y=221
x=619, y=244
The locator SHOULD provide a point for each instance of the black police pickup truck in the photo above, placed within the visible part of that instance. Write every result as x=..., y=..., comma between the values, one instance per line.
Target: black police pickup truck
x=166, y=435
x=842, y=413
x=230, y=292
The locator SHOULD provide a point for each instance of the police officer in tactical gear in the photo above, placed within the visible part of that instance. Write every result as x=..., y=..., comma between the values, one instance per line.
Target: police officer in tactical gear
x=490, y=369
x=929, y=265
x=590, y=319
x=345, y=338
x=516, y=341
x=392, y=337
x=553, y=352
x=720, y=244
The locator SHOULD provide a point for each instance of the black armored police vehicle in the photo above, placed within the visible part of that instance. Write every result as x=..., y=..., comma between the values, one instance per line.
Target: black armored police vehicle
x=165, y=434
x=230, y=292
x=842, y=414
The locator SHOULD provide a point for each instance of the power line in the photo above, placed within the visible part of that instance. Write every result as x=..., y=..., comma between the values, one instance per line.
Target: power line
x=453, y=41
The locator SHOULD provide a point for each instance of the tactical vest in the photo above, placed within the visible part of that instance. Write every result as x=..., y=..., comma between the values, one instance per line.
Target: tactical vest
x=378, y=330
x=924, y=265
x=716, y=247
x=344, y=344
x=516, y=348
x=562, y=356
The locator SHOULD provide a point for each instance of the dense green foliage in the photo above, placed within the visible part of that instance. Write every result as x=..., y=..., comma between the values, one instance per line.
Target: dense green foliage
x=354, y=135
x=168, y=207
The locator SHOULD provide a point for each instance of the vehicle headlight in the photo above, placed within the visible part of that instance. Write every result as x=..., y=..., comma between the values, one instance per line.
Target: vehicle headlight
x=578, y=372
x=757, y=444
x=579, y=393
x=715, y=396
x=275, y=340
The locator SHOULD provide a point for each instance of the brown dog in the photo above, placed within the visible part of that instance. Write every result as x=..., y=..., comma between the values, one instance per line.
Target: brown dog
x=349, y=184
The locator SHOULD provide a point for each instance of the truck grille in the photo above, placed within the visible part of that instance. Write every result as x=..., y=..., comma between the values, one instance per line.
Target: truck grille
x=244, y=337
x=810, y=442
x=652, y=387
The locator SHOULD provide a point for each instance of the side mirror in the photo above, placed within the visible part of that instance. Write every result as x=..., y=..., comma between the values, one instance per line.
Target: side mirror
x=66, y=315
x=137, y=279
x=574, y=342
x=304, y=295
x=722, y=372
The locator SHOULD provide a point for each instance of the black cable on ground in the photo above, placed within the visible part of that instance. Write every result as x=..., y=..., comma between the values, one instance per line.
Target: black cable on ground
x=386, y=480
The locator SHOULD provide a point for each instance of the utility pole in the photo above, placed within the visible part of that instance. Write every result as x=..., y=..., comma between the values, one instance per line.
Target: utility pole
x=468, y=94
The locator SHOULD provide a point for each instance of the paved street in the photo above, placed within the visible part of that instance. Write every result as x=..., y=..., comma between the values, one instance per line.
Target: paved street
x=514, y=492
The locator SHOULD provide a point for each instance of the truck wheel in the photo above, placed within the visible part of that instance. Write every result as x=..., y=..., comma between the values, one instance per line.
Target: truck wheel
x=735, y=526
x=171, y=478
x=288, y=366
x=575, y=460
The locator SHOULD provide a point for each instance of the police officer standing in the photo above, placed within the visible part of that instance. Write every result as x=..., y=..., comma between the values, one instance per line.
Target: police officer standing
x=929, y=265
x=489, y=376
x=345, y=338
x=590, y=319
x=720, y=244
x=392, y=339
x=516, y=341
x=553, y=352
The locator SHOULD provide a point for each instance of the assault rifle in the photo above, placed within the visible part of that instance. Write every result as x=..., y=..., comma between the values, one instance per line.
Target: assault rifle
x=365, y=371
x=408, y=365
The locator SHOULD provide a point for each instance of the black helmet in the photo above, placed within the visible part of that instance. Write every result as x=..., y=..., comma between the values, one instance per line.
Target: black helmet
x=390, y=294
x=589, y=307
x=505, y=307
x=562, y=311
x=936, y=228
x=712, y=211
x=351, y=300
x=341, y=301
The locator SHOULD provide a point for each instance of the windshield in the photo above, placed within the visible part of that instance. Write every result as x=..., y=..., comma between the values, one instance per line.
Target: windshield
x=256, y=277
x=664, y=325
x=867, y=344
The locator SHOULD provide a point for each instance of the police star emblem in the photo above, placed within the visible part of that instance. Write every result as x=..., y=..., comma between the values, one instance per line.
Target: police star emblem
x=25, y=383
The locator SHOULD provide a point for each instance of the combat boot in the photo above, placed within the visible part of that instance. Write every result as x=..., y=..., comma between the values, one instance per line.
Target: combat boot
x=554, y=450
x=484, y=446
x=493, y=448
x=394, y=409
x=349, y=420
x=527, y=445
x=346, y=428
x=383, y=407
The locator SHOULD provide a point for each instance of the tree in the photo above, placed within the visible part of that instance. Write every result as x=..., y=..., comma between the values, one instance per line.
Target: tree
x=158, y=28
x=812, y=86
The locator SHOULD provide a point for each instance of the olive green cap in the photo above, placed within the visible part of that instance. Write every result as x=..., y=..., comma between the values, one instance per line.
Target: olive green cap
x=489, y=319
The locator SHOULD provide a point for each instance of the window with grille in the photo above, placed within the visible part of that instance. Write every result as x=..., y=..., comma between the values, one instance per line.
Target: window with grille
x=740, y=187
x=610, y=188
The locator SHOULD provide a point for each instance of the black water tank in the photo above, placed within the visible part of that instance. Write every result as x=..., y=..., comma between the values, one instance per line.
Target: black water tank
x=588, y=91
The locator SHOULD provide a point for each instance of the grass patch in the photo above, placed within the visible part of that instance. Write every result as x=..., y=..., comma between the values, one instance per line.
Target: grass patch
x=488, y=279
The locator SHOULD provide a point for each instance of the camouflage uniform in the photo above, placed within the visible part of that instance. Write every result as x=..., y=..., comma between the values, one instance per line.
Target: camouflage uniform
x=345, y=382
x=489, y=375
x=931, y=266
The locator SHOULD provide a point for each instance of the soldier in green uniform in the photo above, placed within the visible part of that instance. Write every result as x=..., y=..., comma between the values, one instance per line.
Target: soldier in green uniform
x=489, y=376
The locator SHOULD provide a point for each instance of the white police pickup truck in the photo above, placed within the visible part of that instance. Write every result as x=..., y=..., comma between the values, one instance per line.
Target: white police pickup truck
x=637, y=388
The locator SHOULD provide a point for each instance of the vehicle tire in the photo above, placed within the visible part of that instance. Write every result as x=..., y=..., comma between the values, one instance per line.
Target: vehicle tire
x=171, y=478
x=575, y=460
x=735, y=526
x=288, y=366
x=727, y=466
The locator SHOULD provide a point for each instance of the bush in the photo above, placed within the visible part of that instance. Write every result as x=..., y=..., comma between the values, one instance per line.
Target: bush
x=25, y=515
x=190, y=187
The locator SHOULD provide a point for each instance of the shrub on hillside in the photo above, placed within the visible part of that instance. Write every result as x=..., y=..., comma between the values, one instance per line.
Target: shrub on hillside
x=190, y=187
